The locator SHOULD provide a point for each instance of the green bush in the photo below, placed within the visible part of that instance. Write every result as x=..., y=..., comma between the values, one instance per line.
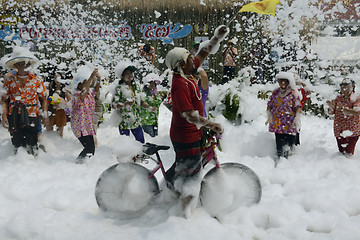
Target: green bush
x=231, y=103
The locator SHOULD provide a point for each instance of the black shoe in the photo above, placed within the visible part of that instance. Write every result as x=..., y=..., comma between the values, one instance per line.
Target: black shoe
x=170, y=185
x=42, y=147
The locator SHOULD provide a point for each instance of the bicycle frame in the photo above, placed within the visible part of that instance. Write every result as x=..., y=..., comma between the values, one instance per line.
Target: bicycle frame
x=207, y=155
x=209, y=151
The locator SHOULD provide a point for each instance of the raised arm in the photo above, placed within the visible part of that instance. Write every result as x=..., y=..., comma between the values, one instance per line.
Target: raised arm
x=211, y=46
x=95, y=76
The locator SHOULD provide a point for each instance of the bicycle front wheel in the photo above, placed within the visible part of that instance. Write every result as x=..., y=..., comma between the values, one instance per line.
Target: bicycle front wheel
x=228, y=188
x=126, y=188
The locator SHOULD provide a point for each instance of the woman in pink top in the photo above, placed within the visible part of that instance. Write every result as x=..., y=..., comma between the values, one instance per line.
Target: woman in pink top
x=346, y=108
x=83, y=108
x=283, y=109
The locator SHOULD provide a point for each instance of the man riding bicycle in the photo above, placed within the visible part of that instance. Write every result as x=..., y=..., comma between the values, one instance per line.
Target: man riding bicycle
x=187, y=119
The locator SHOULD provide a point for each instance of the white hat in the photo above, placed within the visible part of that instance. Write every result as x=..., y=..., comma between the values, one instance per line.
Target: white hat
x=347, y=81
x=121, y=66
x=20, y=54
x=289, y=76
x=175, y=56
x=285, y=75
x=152, y=77
x=83, y=73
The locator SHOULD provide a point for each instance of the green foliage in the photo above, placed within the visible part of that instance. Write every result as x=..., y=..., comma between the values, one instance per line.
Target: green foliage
x=264, y=95
x=231, y=102
x=315, y=108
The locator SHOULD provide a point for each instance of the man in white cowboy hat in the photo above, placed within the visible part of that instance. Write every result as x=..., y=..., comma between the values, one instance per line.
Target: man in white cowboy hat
x=23, y=89
x=187, y=119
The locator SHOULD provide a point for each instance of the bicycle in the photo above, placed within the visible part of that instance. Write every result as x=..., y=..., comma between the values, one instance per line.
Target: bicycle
x=130, y=188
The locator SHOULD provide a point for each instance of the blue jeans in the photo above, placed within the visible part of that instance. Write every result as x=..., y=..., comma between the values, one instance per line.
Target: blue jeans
x=137, y=132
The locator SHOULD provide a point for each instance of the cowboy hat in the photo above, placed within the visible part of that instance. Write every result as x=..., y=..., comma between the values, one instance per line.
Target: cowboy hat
x=20, y=54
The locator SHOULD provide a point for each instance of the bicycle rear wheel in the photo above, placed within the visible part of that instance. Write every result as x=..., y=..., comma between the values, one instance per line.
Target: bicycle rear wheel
x=126, y=188
x=228, y=188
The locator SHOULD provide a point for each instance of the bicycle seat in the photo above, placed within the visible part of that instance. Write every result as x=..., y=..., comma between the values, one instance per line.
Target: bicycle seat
x=150, y=148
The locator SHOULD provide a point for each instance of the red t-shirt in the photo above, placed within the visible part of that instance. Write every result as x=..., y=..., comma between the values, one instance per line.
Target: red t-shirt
x=185, y=95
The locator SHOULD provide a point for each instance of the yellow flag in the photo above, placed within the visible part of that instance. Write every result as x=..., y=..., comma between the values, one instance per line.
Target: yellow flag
x=262, y=7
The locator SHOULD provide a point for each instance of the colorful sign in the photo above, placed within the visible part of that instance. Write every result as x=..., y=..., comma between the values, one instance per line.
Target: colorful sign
x=165, y=33
x=121, y=32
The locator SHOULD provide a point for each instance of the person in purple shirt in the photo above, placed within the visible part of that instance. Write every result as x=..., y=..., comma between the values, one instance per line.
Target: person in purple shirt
x=204, y=87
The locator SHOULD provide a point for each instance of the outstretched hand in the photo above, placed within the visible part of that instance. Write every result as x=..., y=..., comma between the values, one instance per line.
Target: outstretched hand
x=223, y=30
x=217, y=128
x=96, y=74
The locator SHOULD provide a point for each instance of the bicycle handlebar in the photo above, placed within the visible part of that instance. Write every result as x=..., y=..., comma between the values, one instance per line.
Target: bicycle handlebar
x=213, y=138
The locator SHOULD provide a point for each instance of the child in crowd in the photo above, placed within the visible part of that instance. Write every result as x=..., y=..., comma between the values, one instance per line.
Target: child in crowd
x=149, y=119
x=83, y=107
x=283, y=109
x=58, y=99
x=128, y=101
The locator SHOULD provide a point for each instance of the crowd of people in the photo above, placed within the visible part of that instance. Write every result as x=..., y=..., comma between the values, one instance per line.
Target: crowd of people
x=28, y=104
x=284, y=114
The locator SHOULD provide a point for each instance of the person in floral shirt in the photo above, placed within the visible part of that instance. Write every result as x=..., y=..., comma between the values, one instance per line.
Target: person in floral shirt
x=284, y=110
x=83, y=108
x=346, y=108
x=24, y=92
x=149, y=119
x=128, y=101
x=230, y=53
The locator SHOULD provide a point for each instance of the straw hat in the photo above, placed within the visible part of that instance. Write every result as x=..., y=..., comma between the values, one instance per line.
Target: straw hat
x=20, y=54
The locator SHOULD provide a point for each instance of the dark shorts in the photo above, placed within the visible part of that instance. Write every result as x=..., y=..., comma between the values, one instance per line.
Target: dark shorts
x=187, y=160
x=26, y=136
x=347, y=145
x=284, y=144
